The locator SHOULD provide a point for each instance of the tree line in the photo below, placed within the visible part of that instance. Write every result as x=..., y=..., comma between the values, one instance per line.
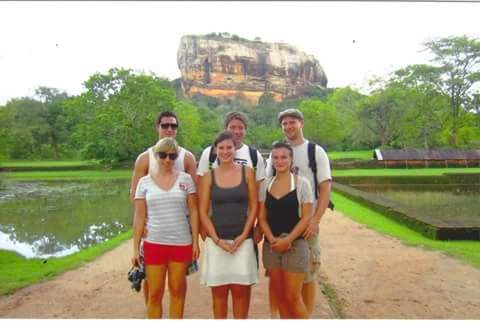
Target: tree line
x=420, y=106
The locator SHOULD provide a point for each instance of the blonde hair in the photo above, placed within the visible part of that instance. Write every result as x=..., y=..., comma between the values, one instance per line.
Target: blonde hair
x=167, y=144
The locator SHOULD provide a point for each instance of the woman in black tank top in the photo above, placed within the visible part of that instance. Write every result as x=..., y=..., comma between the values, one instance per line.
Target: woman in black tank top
x=229, y=263
x=283, y=201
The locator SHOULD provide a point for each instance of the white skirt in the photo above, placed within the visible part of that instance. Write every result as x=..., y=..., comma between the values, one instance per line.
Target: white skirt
x=220, y=268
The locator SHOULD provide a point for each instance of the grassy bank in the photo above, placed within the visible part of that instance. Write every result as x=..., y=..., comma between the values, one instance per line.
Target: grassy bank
x=468, y=251
x=403, y=171
x=69, y=174
x=17, y=272
x=48, y=163
x=353, y=154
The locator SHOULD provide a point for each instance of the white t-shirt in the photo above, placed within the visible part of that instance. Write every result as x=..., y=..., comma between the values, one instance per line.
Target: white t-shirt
x=242, y=156
x=167, y=210
x=300, y=164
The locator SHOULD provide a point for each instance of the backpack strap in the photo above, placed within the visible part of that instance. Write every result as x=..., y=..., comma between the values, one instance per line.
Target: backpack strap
x=211, y=157
x=313, y=165
x=253, y=157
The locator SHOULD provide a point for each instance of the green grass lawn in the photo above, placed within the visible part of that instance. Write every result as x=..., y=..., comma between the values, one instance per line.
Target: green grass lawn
x=468, y=251
x=402, y=171
x=353, y=154
x=69, y=174
x=17, y=272
x=47, y=163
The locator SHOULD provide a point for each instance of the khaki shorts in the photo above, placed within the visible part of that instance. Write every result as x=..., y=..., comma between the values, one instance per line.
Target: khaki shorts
x=313, y=259
x=294, y=260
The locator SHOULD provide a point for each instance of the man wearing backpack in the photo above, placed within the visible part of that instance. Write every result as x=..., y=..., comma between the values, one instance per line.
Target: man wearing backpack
x=237, y=123
x=311, y=161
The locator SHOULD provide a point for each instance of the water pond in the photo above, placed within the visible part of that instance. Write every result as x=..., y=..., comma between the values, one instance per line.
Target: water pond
x=45, y=218
x=451, y=205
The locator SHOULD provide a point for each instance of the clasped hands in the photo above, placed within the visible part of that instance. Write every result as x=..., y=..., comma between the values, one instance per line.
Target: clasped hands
x=231, y=246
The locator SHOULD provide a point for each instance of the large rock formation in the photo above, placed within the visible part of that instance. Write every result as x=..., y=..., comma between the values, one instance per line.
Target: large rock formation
x=226, y=66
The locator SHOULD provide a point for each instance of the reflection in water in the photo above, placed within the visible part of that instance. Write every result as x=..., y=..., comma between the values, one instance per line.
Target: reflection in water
x=44, y=219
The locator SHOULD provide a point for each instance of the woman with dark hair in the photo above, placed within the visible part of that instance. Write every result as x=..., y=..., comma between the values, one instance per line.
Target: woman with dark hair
x=229, y=263
x=166, y=207
x=285, y=206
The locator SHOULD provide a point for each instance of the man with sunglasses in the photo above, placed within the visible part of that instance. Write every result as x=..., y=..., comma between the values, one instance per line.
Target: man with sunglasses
x=166, y=125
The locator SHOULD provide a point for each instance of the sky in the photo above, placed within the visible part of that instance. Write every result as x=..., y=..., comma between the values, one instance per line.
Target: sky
x=61, y=44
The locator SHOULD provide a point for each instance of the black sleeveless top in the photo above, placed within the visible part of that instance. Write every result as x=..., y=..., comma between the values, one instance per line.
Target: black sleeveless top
x=229, y=208
x=282, y=213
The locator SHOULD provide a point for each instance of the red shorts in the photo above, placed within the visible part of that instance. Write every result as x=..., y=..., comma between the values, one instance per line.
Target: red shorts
x=157, y=254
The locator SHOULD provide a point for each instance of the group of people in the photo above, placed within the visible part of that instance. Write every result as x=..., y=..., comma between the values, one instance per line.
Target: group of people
x=232, y=200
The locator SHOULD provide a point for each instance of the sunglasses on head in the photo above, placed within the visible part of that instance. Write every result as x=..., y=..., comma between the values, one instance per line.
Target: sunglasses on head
x=166, y=125
x=163, y=155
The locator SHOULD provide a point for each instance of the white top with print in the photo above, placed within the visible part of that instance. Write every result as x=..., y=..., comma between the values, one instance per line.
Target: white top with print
x=167, y=210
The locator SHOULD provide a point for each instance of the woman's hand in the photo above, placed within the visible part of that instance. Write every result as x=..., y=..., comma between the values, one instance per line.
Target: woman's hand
x=195, y=251
x=203, y=233
x=136, y=259
x=237, y=242
x=224, y=245
x=280, y=245
x=257, y=234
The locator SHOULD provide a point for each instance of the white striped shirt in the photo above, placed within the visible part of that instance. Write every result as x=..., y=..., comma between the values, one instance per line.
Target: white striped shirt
x=167, y=211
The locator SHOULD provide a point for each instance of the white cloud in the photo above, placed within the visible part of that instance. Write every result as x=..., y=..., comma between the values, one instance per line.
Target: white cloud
x=60, y=44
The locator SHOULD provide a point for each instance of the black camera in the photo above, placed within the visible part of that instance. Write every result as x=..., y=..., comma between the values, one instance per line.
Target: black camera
x=135, y=276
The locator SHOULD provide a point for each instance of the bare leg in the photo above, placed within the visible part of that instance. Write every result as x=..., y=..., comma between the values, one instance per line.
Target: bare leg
x=220, y=301
x=272, y=300
x=145, y=291
x=277, y=286
x=177, y=286
x=308, y=296
x=241, y=300
x=156, y=280
x=293, y=294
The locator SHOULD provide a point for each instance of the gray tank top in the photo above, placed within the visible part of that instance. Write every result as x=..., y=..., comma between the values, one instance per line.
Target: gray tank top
x=229, y=208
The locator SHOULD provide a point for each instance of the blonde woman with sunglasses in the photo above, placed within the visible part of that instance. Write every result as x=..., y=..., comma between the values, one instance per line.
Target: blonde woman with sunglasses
x=166, y=212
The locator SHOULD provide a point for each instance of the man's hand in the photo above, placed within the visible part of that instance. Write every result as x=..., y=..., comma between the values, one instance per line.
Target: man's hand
x=312, y=228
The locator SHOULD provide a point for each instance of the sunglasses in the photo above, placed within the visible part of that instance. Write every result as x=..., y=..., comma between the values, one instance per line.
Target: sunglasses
x=163, y=155
x=172, y=126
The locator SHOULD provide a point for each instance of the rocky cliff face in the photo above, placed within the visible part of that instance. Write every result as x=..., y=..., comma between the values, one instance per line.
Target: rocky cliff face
x=228, y=67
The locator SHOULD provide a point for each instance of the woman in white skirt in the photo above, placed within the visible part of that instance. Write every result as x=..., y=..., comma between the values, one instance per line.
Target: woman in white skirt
x=229, y=263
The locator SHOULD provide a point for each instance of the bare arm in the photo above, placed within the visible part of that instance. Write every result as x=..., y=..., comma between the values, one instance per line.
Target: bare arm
x=190, y=165
x=138, y=228
x=257, y=231
x=322, y=203
x=252, y=201
x=205, y=183
x=139, y=170
x=324, y=189
x=262, y=222
x=194, y=222
x=252, y=208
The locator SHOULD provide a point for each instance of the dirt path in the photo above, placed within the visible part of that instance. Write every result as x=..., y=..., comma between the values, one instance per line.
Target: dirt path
x=374, y=276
